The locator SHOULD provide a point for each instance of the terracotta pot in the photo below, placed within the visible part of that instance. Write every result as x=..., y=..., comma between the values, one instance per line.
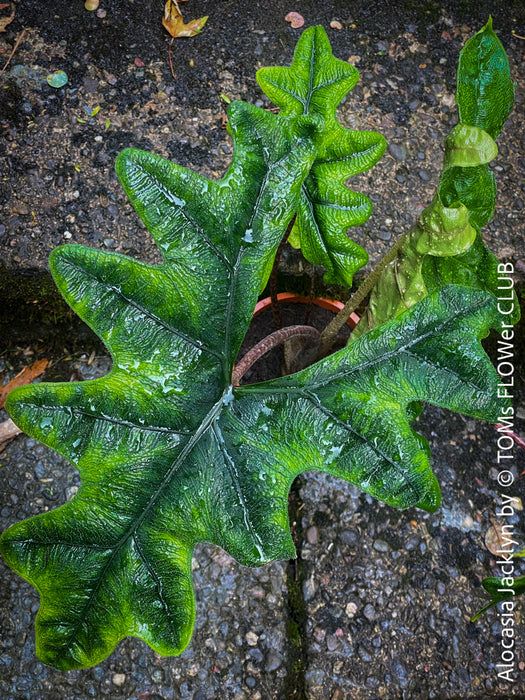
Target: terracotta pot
x=289, y=298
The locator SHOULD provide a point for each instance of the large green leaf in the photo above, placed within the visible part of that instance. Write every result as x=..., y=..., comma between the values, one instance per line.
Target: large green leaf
x=115, y=561
x=316, y=83
x=168, y=452
x=170, y=455
x=440, y=244
x=477, y=268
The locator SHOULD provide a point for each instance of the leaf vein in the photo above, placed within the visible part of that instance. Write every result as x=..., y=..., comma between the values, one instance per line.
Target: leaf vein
x=234, y=475
x=175, y=331
x=198, y=228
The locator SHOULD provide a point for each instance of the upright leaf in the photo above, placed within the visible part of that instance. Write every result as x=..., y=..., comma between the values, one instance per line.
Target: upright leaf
x=485, y=95
x=439, y=249
x=316, y=83
x=485, y=91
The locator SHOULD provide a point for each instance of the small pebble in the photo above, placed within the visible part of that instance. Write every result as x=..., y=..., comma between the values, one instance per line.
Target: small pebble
x=369, y=612
x=312, y=534
x=381, y=546
x=273, y=661
x=251, y=639
x=364, y=655
x=400, y=672
x=467, y=522
x=331, y=642
x=424, y=175
x=348, y=537
x=397, y=150
x=118, y=679
x=351, y=609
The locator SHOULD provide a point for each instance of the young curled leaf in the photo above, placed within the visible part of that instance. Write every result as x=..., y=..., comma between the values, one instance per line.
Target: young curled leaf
x=441, y=244
x=441, y=232
x=468, y=146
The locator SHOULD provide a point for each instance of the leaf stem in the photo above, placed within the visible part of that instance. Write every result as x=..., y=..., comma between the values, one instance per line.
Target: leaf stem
x=276, y=309
x=266, y=344
x=332, y=329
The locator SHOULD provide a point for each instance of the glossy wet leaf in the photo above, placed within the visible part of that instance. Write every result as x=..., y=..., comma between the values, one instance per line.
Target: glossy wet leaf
x=485, y=91
x=477, y=268
x=168, y=453
x=316, y=83
x=440, y=231
x=445, y=243
x=115, y=561
x=170, y=456
x=485, y=96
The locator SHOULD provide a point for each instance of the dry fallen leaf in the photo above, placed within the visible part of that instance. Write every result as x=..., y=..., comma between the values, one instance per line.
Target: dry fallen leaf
x=175, y=25
x=4, y=21
x=295, y=19
x=8, y=431
x=494, y=539
x=26, y=376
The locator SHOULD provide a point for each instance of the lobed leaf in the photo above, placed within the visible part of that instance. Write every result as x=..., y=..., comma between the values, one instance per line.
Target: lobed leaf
x=115, y=561
x=168, y=461
x=168, y=452
x=316, y=83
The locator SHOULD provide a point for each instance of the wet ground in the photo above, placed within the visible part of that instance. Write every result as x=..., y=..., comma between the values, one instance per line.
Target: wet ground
x=378, y=603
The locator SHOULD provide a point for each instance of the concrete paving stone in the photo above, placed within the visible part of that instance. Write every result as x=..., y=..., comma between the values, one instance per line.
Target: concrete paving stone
x=395, y=621
x=239, y=648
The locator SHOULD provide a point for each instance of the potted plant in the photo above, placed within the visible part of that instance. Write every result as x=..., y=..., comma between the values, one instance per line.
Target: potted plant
x=172, y=451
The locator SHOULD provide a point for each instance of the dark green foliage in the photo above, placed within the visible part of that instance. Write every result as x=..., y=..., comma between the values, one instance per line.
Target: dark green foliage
x=315, y=84
x=169, y=453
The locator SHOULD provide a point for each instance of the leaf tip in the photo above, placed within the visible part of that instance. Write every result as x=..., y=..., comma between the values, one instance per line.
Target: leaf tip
x=432, y=497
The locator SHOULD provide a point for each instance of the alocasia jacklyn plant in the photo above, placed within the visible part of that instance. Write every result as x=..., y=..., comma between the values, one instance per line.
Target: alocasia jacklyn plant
x=171, y=451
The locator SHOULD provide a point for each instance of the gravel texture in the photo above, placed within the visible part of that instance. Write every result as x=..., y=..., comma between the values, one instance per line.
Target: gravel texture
x=58, y=184
x=378, y=603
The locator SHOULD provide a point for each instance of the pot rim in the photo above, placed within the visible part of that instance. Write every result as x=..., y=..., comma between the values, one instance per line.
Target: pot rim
x=290, y=298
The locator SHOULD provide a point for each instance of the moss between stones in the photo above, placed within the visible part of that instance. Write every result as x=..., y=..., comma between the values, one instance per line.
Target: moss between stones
x=295, y=685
